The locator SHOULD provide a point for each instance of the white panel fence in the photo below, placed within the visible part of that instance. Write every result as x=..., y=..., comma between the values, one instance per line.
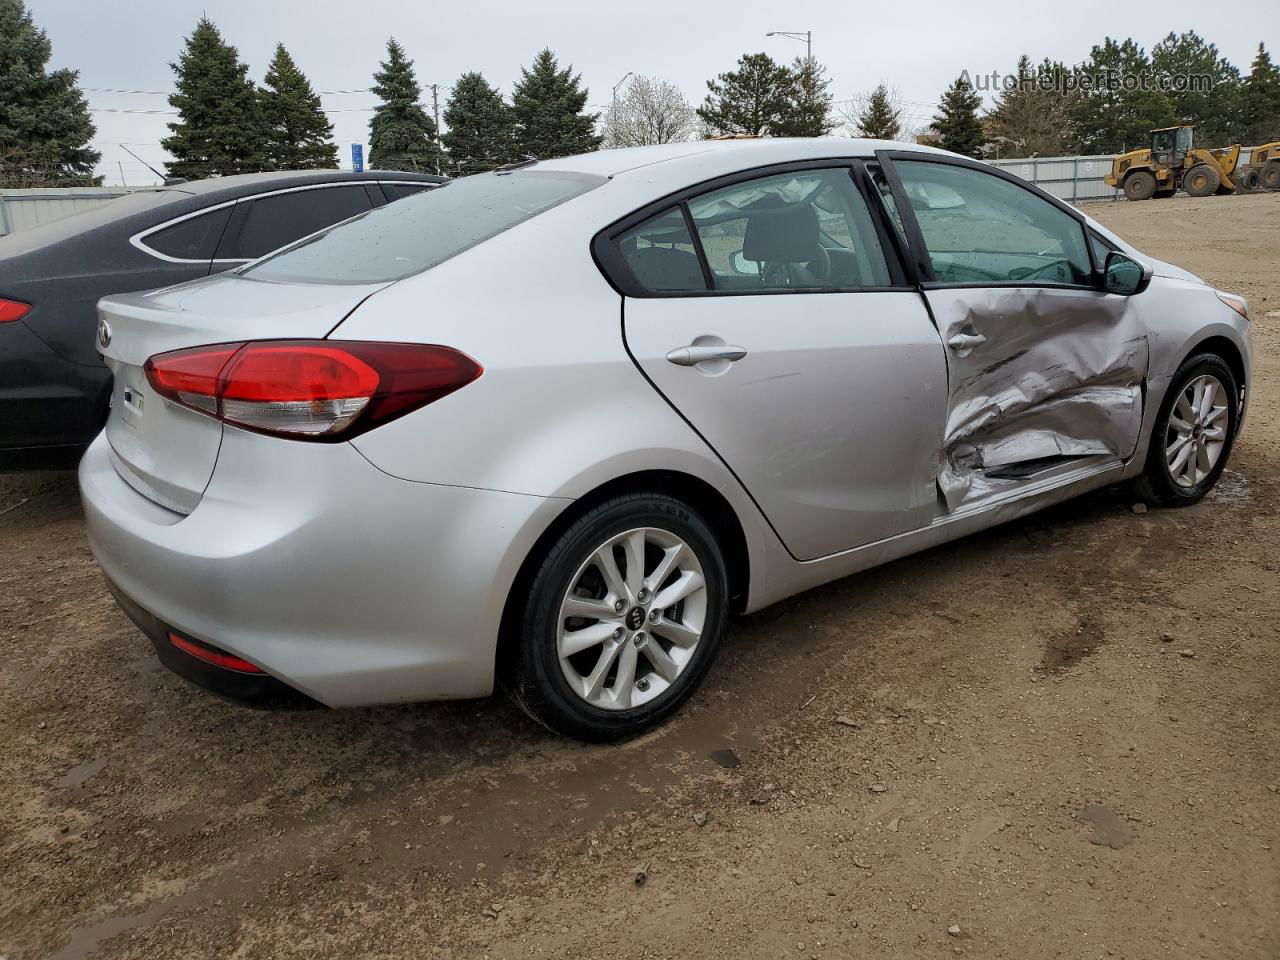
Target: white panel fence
x=23, y=209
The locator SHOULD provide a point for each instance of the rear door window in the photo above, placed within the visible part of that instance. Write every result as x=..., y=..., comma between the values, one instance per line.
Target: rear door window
x=661, y=255
x=808, y=230
x=276, y=220
x=195, y=238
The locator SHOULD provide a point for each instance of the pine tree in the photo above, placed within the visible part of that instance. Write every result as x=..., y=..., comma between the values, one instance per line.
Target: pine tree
x=957, y=123
x=480, y=131
x=1030, y=117
x=401, y=134
x=749, y=100
x=1113, y=116
x=878, y=118
x=1260, y=101
x=807, y=110
x=548, y=103
x=299, y=135
x=45, y=128
x=1204, y=87
x=220, y=129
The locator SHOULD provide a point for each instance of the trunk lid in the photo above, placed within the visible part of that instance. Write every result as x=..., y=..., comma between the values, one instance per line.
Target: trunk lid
x=167, y=452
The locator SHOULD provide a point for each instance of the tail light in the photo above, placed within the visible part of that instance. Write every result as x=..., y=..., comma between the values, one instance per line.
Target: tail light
x=309, y=389
x=11, y=310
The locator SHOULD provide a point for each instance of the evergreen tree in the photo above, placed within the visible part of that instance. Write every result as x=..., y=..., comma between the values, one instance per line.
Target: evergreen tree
x=1030, y=117
x=878, y=118
x=45, y=128
x=480, y=131
x=298, y=134
x=401, y=135
x=749, y=100
x=807, y=110
x=1203, y=87
x=548, y=103
x=220, y=129
x=1114, y=115
x=1260, y=101
x=957, y=124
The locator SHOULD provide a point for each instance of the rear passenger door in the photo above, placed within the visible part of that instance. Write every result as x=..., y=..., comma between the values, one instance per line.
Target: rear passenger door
x=268, y=222
x=771, y=312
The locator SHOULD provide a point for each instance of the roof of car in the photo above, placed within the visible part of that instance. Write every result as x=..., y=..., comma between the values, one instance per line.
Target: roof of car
x=252, y=182
x=742, y=152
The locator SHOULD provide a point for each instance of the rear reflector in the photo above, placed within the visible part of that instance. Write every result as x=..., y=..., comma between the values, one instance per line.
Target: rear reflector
x=11, y=310
x=212, y=655
x=309, y=389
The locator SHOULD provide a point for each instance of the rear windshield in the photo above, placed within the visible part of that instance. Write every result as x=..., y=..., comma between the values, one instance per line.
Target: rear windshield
x=421, y=231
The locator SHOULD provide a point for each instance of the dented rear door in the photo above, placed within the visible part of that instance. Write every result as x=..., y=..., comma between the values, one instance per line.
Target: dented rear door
x=1045, y=370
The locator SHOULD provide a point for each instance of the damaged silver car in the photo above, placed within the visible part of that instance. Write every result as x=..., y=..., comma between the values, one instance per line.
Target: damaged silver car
x=546, y=428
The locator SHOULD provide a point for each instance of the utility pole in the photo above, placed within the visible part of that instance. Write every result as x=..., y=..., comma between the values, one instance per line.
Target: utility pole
x=435, y=109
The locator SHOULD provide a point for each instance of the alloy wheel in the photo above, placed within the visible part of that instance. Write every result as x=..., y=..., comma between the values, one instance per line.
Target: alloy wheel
x=631, y=619
x=1197, y=430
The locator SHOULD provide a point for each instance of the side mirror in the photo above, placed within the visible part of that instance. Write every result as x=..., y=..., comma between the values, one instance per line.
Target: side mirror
x=1124, y=276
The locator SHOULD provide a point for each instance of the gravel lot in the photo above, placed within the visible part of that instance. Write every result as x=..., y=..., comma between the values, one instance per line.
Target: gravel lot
x=1060, y=738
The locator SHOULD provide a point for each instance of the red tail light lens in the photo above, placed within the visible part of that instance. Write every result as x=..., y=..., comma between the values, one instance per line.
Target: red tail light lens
x=11, y=310
x=309, y=389
x=208, y=654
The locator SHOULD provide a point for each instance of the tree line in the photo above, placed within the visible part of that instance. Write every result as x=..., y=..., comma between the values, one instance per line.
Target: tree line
x=1050, y=109
x=227, y=123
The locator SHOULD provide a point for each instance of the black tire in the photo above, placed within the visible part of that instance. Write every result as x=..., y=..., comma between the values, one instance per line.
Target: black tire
x=1271, y=175
x=532, y=674
x=1247, y=181
x=1156, y=484
x=1201, y=180
x=1140, y=185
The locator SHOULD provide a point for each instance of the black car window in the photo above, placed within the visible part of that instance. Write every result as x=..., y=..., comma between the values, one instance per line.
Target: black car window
x=397, y=191
x=979, y=228
x=807, y=230
x=661, y=255
x=195, y=238
x=401, y=239
x=274, y=221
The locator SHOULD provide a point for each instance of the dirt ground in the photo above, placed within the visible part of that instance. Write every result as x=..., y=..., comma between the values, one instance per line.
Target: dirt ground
x=1060, y=738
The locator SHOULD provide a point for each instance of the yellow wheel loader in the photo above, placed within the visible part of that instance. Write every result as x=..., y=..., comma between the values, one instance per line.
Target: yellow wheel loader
x=1174, y=162
x=1263, y=171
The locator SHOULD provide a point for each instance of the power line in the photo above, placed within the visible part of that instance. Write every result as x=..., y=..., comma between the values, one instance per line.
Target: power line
x=168, y=93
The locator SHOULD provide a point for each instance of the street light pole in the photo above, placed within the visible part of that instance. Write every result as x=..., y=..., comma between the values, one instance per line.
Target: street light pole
x=618, y=85
x=807, y=36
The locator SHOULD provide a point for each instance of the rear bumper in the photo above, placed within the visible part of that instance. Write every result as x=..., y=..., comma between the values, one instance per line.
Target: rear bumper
x=346, y=584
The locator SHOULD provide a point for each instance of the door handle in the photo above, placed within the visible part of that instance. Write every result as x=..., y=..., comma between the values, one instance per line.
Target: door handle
x=699, y=353
x=964, y=342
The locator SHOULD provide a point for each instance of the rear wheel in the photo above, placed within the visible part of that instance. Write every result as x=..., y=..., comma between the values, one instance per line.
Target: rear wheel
x=1271, y=175
x=623, y=619
x=1193, y=433
x=1201, y=180
x=1140, y=185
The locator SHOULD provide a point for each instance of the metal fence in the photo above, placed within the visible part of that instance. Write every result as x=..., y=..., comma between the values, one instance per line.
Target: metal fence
x=1070, y=178
x=22, y=209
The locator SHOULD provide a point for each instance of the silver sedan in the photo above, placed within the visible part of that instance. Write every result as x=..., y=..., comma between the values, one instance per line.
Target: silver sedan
x=546, y=428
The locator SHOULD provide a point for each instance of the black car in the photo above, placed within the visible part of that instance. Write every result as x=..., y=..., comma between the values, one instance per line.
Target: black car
x=54, y=389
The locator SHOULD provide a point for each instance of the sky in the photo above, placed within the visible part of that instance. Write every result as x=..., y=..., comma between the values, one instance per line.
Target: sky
x=918, y=48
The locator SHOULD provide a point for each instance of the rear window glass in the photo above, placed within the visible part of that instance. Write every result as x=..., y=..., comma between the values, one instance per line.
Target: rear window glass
x=421, y=231
x=192, y=239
